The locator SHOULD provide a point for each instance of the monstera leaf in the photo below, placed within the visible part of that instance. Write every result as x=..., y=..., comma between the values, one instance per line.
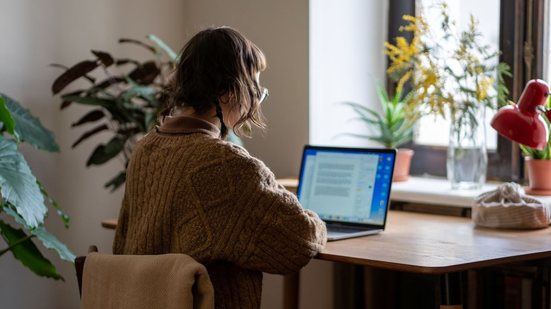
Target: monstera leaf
x=18, y=184
x=28, y=128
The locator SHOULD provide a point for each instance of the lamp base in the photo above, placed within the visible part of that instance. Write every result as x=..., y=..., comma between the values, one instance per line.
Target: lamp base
x=532, y=191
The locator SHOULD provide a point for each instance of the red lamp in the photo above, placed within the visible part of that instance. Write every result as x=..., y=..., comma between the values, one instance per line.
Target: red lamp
x=522, y=122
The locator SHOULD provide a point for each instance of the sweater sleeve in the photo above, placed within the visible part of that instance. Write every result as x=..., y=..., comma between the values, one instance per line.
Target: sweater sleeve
x=283, y=236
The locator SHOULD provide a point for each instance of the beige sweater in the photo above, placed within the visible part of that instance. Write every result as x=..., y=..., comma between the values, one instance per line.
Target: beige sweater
x=189, y=192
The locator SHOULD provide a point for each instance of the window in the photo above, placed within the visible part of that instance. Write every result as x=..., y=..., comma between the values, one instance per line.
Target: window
x=520, y=22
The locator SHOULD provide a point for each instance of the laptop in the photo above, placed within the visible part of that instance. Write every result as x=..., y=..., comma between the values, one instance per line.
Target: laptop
x=349, y=188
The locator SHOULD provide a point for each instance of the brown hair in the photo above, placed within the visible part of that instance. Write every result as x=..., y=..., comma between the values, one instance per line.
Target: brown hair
x=219, y=61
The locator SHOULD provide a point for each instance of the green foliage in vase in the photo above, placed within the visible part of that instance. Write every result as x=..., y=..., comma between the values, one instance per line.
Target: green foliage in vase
x=25, y=202
x=126, y=101
x=391, y=128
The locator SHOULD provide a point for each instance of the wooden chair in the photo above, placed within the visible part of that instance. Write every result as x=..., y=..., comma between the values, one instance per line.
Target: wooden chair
x=79, y=267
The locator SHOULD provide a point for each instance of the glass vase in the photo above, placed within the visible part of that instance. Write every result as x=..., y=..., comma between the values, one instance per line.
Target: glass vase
x=467, y=160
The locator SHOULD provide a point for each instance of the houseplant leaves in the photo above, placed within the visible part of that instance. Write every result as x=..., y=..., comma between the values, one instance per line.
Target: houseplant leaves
x=25, y=250
x=18, y=184
x=28, y=128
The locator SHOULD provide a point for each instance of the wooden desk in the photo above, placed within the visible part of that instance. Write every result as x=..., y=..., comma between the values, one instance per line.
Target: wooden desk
x=435, y=244
x=439, y=245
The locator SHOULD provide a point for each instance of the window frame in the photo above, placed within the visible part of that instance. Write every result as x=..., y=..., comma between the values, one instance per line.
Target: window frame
x=521, y=26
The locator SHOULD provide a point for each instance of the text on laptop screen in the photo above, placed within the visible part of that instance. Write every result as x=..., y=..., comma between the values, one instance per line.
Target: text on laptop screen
x=346, y=186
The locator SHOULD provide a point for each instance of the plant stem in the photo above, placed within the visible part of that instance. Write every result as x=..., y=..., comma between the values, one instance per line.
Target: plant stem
x=15, y=244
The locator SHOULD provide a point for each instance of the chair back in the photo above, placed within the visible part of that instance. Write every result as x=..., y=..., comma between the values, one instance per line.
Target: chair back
x=143, y=281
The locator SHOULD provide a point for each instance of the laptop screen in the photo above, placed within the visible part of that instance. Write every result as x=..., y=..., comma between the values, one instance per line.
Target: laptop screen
x=346, y=185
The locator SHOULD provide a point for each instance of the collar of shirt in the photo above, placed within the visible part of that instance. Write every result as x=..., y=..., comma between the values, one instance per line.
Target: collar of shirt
x=187, y=125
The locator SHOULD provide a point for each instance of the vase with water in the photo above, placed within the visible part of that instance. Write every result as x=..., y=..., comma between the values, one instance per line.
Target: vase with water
x=467, y=159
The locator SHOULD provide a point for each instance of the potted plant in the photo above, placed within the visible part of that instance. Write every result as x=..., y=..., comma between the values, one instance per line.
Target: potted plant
x=391, y=128
x=453, y=75
x=126, y=100
x=538, y=164
x=24, y=201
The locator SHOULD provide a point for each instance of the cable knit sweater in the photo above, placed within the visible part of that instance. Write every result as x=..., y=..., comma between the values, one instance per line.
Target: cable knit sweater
x=189, y=192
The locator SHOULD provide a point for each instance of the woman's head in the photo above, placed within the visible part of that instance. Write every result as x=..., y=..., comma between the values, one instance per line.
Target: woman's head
x=219, y=68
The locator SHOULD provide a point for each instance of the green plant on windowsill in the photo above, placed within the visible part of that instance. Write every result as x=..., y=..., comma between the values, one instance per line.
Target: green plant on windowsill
x=540, y=154
x=24, y=201
x=393, y=126
x=126, y=101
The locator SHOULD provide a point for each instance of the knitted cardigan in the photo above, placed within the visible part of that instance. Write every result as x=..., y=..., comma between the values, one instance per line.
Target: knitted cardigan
x=188, y=191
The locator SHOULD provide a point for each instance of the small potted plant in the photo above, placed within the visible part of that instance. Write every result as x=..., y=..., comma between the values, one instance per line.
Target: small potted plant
x=538, y=165
x=391, y=128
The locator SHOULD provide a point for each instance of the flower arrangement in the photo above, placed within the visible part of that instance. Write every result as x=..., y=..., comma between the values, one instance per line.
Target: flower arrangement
x=450, y=82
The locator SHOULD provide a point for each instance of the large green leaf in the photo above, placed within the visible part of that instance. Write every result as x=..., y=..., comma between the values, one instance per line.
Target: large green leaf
x=48, y=240
x=6, y=118
x=29, y=129
x=27, y=252
x=18, y=184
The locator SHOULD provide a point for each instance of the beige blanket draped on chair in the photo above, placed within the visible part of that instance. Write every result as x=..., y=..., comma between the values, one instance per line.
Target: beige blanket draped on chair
x=167, y=281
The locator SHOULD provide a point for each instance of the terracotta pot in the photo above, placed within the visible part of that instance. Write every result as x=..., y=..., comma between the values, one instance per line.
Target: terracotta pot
x=539, y=176
x=403, y=162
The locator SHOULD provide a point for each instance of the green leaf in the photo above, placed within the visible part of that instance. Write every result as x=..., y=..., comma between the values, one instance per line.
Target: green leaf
x=18, y=184
x=105, y=58
x=116, y=182
x=64, y=217
x=6, y=118
x=48, y=240
x=164, y=47
x=29, y=129
x=106, y=152
x=27, y=252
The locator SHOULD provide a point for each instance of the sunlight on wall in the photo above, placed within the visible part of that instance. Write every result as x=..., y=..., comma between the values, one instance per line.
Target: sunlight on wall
x=346, y=61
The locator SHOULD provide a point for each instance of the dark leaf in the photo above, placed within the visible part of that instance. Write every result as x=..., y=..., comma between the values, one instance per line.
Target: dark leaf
x=78, y=70
x=92, y=116
x=109, y=82
x=29, y=129
x=61, y=66
x=116, y=182
x=87, y=134
x=106, y=152
x=140, y=43
x=104, y=57
x=146, y=73
x=65, y=104
x=88, y=100
x=126, y=61
x=27, y=252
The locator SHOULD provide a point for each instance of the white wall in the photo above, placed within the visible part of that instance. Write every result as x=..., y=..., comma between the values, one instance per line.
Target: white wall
x=346, y=61
x=36, y=33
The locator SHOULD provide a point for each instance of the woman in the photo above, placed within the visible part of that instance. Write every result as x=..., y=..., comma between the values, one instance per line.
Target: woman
x=189, y=191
